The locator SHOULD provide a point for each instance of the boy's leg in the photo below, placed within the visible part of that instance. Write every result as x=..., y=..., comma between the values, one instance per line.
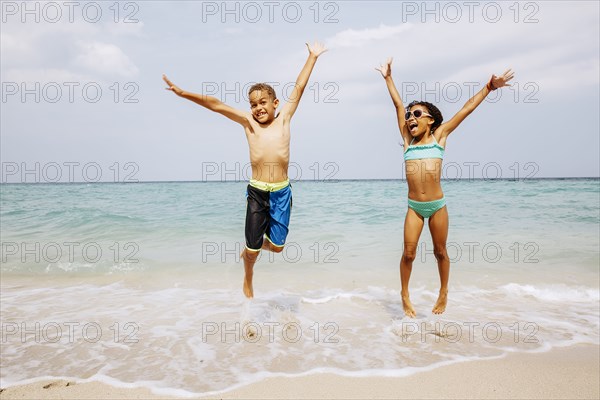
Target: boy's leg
x=257, y=221
x=249, y=258
x=413, y=225
x=438, y=226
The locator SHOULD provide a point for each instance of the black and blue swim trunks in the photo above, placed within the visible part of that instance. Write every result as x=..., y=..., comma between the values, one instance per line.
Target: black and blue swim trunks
x=268, y=211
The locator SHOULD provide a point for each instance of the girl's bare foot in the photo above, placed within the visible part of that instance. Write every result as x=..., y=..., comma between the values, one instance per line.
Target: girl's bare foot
x=440, y=304
x=407, y=305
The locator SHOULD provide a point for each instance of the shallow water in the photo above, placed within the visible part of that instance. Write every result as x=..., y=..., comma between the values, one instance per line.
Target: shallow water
x=141, y=283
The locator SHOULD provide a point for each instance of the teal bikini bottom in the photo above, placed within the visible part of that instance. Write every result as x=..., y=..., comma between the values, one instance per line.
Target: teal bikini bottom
x=426, y=208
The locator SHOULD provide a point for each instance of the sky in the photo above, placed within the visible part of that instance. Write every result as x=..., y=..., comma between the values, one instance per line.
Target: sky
x=83, y=99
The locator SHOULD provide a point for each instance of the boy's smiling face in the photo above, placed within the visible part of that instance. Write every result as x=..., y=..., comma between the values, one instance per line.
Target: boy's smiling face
x=263, y=106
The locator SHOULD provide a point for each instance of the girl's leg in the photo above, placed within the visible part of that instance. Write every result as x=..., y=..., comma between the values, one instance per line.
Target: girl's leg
x=413, y=225
x=438, y=226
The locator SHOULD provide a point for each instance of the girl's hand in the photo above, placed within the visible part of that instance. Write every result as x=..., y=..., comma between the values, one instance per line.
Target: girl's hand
x=386, y=69
x=316, y=49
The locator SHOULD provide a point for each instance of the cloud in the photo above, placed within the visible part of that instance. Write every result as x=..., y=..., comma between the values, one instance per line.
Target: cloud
x=105, y=58
x=358, y=38
x=14, y=47
x=126, y=29
x=68, y=45
x=30, y=76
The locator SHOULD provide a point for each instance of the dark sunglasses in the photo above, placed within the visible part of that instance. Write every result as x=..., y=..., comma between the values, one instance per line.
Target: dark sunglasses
x=417, y=113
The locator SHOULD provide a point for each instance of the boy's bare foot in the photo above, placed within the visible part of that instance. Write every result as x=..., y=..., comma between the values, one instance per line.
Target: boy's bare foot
x=440, y=304
x=407, y=305
x=267, y=245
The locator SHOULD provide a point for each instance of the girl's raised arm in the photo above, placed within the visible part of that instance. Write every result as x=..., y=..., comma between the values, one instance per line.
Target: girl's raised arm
x=495, y=82
x=386, y=72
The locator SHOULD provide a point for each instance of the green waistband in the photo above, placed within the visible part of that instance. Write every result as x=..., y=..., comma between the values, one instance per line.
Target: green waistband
x=427, y=203
x=268, y=186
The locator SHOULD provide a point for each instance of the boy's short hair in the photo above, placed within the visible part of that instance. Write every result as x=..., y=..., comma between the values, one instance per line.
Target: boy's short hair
x=433, y=110
x=265, y=87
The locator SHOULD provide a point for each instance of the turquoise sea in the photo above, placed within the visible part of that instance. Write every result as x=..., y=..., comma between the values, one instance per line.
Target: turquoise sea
x=139, y=284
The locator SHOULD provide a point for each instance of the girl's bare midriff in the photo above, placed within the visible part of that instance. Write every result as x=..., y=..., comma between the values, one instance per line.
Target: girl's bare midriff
x=423, y=178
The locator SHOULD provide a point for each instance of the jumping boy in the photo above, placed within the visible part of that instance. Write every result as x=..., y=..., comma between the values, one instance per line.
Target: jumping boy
x=269, y=196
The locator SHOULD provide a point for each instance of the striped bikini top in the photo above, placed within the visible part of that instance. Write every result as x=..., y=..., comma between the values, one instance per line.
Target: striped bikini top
x=420, y=151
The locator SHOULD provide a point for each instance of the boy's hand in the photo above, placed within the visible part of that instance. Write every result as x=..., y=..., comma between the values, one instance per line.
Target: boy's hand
x=500, y=81
x=386, y=69
x=316, y=49
x=171, y=86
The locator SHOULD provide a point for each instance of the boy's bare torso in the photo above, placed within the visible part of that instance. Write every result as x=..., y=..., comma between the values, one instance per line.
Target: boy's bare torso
x=269, y=146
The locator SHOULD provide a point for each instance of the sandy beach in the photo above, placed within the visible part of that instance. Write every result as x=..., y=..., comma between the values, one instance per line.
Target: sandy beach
x=174, y=323
x=562, y=373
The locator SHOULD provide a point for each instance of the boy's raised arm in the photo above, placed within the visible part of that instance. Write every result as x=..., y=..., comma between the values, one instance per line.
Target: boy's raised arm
x=495, y=82
x=290, y=107
x=386, y=72
x=211, y=103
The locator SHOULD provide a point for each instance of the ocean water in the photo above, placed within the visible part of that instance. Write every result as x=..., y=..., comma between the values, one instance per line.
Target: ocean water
x=140, y=284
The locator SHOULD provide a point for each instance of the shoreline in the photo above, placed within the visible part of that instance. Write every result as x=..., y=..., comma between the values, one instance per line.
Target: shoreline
x=561, y=373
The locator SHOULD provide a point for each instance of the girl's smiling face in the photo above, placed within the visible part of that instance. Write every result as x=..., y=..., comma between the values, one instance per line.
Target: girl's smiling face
x=419, y=125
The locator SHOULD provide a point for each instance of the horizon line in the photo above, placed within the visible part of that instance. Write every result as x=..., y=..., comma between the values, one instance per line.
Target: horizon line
x=300, y=180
